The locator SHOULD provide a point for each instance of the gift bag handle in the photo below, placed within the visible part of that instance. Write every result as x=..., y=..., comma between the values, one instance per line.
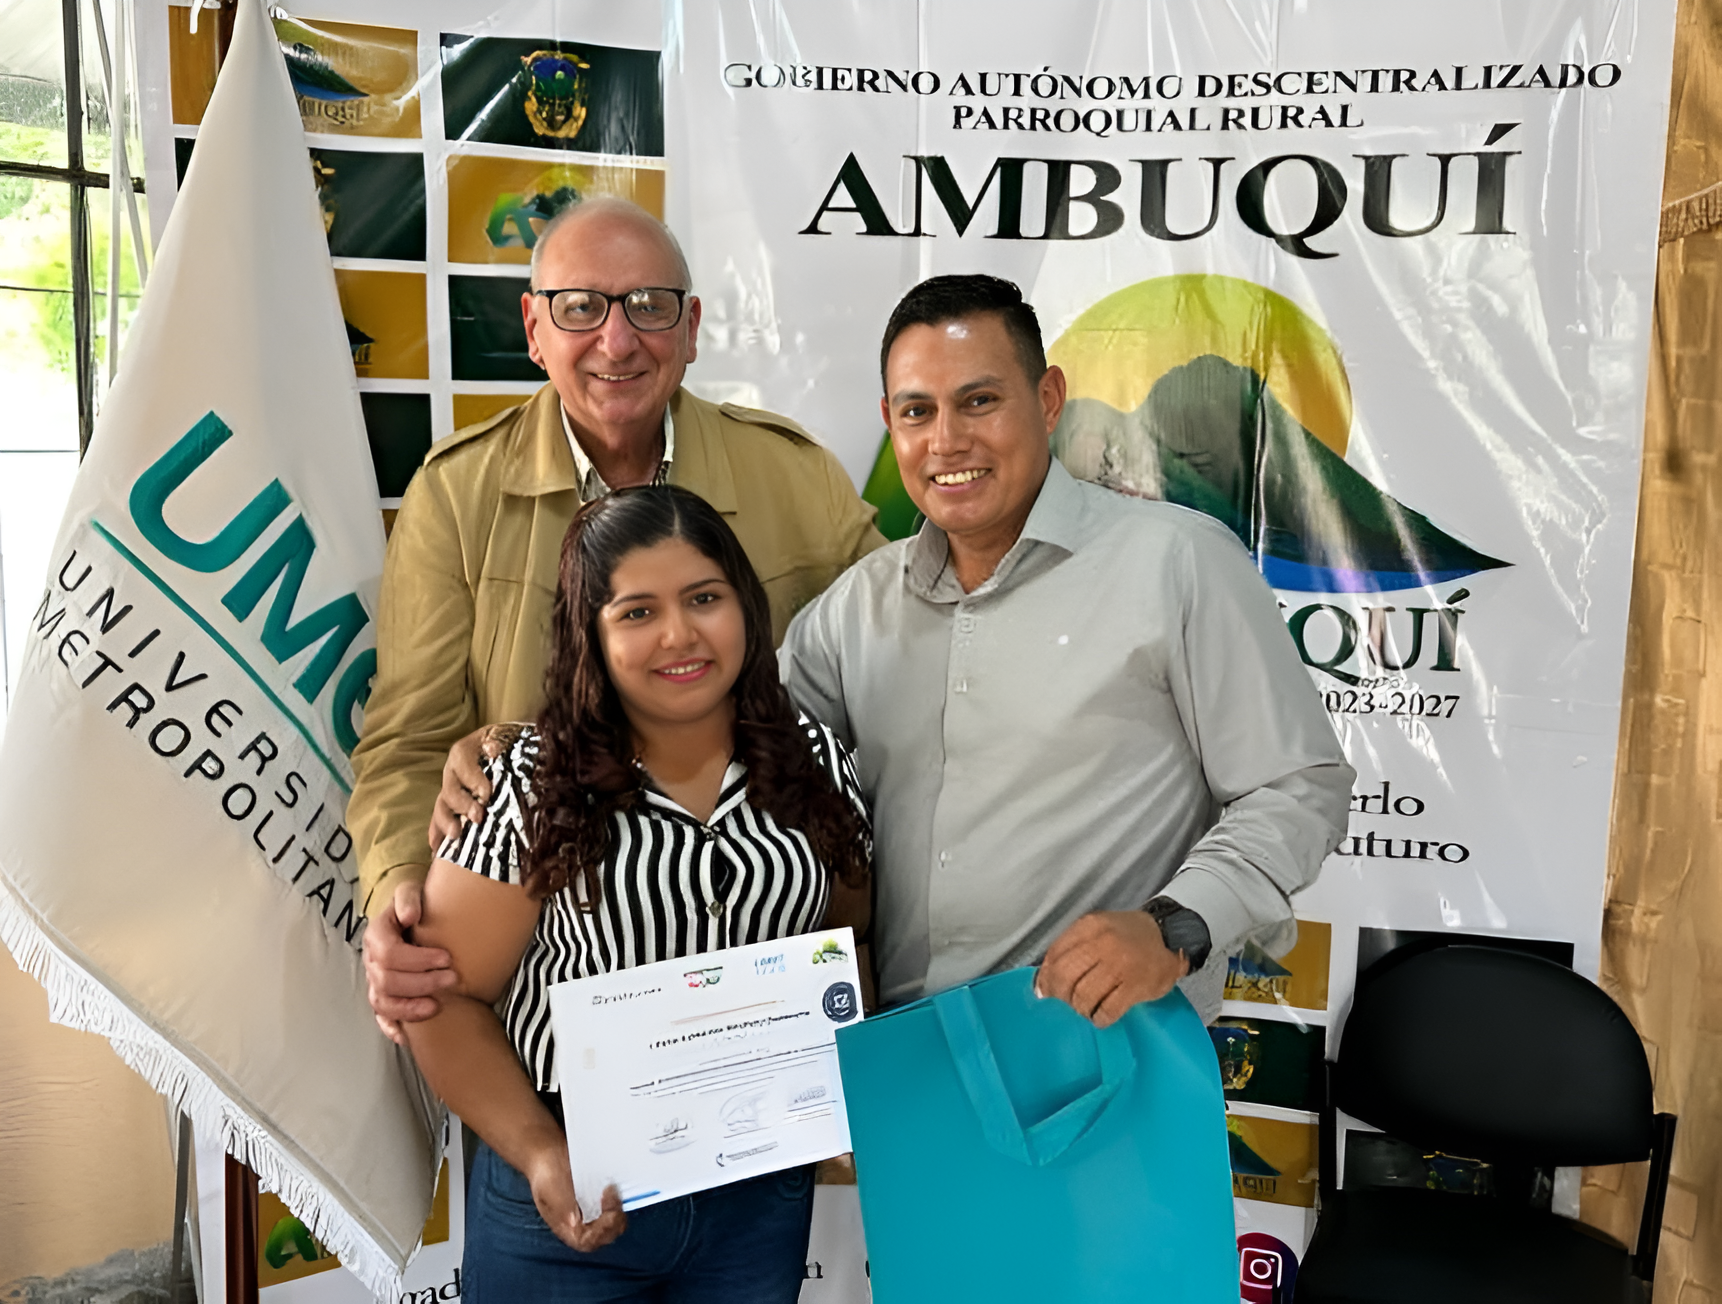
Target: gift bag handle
x=1039, y=1143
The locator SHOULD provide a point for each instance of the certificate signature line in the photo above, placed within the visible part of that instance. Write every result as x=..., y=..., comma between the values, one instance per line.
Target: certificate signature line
x=713, y=1086
x=718, y=1014
x=726, y=1088
x=749, y=1067
x=766, y=1063
x=757, y=1074
x=776, y=1062
x=731, y=1084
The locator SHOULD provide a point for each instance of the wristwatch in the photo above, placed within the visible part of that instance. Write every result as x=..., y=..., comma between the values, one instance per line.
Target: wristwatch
x=1183, y=930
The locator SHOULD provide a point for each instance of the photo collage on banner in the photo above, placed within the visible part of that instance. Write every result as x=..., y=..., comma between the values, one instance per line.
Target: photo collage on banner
x=1372, y=289
x=438, y=157
x=1270, y=1040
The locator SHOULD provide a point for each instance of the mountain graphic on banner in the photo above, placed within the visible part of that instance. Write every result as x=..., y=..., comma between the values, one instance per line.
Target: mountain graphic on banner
x=1220, y=395
x=1212, y=436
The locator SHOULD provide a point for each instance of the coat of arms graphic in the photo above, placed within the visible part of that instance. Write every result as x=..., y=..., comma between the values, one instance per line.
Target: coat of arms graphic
x=556, y=92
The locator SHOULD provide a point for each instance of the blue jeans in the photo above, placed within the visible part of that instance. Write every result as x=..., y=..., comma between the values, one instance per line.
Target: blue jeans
x=745, y=1243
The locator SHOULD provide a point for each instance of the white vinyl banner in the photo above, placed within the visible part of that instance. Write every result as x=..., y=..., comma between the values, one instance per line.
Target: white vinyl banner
x=1370, y=284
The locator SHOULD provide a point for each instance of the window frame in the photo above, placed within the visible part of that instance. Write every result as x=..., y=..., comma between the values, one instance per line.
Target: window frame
x=80, y=180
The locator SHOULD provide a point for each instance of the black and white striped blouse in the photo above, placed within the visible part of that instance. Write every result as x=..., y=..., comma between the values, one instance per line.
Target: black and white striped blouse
x=672, y=885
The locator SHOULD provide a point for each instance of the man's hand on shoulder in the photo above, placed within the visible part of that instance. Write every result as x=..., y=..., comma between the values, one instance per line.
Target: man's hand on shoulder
x=465, y=790
x=403, y=980
x=1108, y=961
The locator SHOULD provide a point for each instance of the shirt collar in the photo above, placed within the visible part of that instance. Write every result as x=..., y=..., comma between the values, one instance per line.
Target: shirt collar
x=1057, y=519
x=731, y=794
x=586, y=476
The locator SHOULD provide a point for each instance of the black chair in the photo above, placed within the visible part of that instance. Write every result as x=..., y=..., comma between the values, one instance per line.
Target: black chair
x=1507, y=1059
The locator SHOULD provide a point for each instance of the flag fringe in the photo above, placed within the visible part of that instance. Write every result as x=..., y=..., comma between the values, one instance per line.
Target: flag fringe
x=76, y=1000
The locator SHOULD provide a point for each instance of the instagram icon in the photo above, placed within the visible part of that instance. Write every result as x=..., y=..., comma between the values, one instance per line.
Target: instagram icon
x=1267, y=1269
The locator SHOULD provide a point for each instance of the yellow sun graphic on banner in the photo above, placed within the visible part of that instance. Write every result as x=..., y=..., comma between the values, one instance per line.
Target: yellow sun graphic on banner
x=1119, y=348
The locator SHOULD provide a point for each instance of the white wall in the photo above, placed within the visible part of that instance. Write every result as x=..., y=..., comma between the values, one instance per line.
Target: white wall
x=38, y=457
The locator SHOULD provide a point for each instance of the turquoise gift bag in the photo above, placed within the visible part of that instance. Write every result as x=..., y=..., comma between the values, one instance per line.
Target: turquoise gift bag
x=1008, y=1150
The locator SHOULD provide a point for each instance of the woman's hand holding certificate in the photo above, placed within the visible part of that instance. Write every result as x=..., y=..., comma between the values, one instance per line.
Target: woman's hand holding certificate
x=553, y=1193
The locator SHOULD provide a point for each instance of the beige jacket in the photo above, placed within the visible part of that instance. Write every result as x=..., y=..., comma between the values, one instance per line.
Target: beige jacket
x=470, y=579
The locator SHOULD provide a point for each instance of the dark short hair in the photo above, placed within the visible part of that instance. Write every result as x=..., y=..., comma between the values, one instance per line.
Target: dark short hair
x=947, y=298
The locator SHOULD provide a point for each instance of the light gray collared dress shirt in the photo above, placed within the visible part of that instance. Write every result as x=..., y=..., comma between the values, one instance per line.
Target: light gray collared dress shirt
x=1117, y=713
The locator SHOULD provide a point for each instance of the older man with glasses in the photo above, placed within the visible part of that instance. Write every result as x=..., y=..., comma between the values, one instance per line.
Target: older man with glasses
x=470, y=577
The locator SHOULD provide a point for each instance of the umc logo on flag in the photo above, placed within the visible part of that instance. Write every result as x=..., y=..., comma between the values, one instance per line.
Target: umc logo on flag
x=238, y=749
x=331, y=628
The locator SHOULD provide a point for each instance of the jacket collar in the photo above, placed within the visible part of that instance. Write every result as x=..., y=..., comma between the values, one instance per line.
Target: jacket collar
x=541, y=462
x=702, y=462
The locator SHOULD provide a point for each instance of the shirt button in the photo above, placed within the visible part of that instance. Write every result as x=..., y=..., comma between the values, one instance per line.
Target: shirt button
x=961, y=686
x=715, y=909
x=944, y=857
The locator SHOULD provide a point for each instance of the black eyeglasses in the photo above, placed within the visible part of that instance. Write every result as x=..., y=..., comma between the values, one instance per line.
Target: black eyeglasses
x=650, y=308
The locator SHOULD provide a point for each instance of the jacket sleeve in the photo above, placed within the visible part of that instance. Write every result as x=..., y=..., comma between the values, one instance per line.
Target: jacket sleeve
x=1270, y=756
x=422, y=701
x=853, y=531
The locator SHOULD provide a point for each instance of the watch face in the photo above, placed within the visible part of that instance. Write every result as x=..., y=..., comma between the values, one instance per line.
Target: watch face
x=1182, y=929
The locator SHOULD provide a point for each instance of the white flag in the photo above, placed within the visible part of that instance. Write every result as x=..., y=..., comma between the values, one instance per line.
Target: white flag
x=174, y=778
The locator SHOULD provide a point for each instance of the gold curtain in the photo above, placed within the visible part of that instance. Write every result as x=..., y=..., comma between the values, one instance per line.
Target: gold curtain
x=1662, y=930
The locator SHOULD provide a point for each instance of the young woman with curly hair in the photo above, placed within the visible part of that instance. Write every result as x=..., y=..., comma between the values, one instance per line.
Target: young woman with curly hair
x=669, y=800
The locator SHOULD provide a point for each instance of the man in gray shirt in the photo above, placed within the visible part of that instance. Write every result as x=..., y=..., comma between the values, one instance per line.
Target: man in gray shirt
x=1084, y=730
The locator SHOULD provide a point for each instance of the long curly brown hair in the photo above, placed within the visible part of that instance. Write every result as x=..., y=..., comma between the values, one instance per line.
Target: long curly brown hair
x=585, y=770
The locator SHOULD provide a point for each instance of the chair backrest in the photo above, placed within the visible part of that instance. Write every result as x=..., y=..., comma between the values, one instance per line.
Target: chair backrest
x=1494, y=1055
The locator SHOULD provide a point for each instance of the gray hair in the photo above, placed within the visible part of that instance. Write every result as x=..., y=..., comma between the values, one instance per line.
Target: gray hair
x=601, y=204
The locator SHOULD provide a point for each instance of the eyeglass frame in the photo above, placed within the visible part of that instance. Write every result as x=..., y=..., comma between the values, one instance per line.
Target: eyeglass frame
x=610, y=301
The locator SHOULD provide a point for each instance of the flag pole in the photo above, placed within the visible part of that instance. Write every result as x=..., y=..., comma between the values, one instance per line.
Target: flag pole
x=120, y=169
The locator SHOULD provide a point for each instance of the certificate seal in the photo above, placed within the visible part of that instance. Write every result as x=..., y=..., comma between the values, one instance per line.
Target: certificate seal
x=840, y=1002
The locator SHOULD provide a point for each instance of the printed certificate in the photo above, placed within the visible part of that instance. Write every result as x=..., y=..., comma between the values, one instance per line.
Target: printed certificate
x=685, y=1075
